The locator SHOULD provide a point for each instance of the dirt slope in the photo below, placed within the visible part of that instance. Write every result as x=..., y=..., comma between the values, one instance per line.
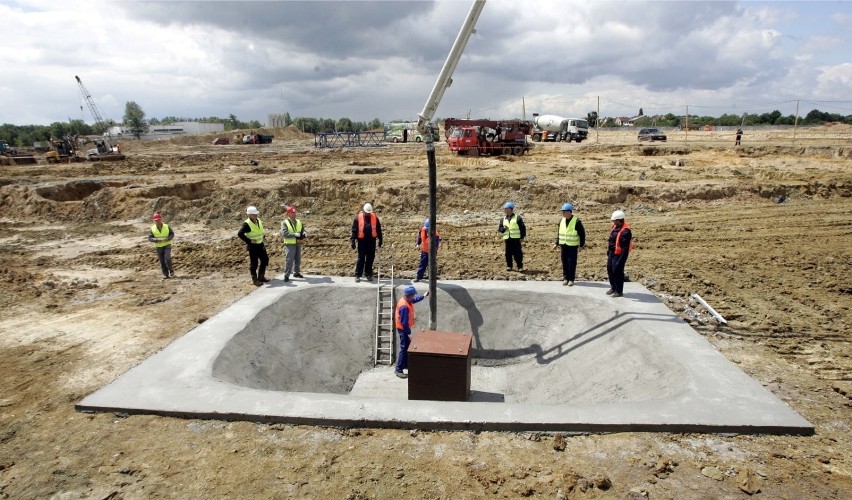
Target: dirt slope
x=761, y=232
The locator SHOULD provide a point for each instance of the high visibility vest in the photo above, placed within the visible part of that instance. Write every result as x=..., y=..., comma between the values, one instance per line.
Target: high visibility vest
x=398, y=322
x=424, y=239
x=568, y=233
x=292, y=230
x=618, y=248
x=161, y=233
x=256, y=232
x=513, y=230
x=373, y=224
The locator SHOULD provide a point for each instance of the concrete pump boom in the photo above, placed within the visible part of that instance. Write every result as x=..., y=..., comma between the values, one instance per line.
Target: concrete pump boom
x=445, y=78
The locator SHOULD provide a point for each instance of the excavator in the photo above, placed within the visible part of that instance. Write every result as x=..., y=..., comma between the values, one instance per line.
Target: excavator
x=104, y=149
x=63, y=150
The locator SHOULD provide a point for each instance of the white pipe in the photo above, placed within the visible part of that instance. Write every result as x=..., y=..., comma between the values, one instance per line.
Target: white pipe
x=712, y=311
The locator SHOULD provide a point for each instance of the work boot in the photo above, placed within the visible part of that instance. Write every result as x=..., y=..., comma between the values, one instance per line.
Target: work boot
x=400, y=374
x=263, y=279
x=616, y=294
x=254, y=280
x=298, y=275
x=570, y=283
x=357, y=279
x=565, y=283
x=610, y=291
x=286, y=278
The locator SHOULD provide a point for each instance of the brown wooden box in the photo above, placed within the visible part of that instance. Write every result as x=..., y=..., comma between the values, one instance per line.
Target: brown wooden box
x=439, y=366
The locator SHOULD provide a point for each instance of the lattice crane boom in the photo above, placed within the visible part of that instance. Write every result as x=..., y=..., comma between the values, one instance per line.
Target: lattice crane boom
x=90, y=102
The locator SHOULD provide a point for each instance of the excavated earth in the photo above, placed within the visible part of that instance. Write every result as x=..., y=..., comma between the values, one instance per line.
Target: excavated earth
x=762, y=232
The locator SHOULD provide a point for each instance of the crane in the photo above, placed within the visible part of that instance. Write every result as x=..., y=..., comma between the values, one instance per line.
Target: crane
x=445, y=79
x=105, y=147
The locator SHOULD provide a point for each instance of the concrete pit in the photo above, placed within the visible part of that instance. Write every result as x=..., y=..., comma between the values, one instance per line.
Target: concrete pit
x=545, y=357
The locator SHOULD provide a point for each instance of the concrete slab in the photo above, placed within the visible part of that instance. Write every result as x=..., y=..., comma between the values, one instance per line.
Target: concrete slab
x=546, y=358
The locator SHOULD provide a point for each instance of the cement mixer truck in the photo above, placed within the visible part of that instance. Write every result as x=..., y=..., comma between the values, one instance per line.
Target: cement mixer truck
x=557, y=128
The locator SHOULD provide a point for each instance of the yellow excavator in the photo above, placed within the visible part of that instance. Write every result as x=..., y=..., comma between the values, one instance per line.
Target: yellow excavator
x=63, y=150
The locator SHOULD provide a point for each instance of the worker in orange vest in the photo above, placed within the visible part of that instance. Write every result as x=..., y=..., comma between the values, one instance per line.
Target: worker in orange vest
x=366, y=231
x=404, y=322
x=423, y=243
x=619, y=247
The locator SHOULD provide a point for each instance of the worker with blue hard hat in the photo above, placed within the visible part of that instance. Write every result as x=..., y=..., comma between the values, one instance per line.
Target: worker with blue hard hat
x=513, y=229
x=423, y=244
x=570, y=238
x=404, y=322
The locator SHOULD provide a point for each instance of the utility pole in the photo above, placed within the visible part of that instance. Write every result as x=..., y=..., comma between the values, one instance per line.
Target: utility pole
x=686, y=136
x=598, y=122
x=796, y=122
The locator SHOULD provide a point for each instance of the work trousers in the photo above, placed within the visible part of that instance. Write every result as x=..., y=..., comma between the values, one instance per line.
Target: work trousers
x=424, y=263
x=514, y=251
x=292, y=259
x=257, y=255
x=569, y=262
x=164, y=255
x=404, y=342
x=615, y=271
x=366, y=256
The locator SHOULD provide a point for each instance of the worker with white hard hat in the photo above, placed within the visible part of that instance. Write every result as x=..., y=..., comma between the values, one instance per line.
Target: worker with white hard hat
x=404, y=322
x=570, y=239
x=513, y=229
x=251, y=233
x=161, y=236
x=293, y=232
x=619, y=247
x=366, y=232
x=423, y=244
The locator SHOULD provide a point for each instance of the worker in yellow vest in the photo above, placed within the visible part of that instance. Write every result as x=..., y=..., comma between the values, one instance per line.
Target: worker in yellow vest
x=293, y=232
x=570, y=239
x=161, y=236
x=252, y=234
x=513, y=229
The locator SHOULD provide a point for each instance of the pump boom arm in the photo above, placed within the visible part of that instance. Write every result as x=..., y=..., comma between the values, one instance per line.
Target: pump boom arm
x=445, y=78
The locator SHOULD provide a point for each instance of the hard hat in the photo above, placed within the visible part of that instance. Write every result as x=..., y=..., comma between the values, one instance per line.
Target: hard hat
x=567, y=207
x=157, y=216
x=426, y=223
x=368, y=208
x=410, y=290
x=617, y=215
x=291, y=210
x=252, y=210
x=509, y=204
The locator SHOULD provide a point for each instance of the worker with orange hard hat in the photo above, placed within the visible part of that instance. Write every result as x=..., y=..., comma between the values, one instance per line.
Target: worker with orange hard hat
x=294, y=235
x=161, y=236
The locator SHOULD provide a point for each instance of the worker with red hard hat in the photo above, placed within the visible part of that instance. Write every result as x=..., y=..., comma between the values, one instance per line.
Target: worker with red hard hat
x=404, y=322
x=294, y=235
x=161, y=236
x=252, y=233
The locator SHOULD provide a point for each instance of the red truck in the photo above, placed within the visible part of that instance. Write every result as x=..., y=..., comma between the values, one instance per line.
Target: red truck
x=487, y=137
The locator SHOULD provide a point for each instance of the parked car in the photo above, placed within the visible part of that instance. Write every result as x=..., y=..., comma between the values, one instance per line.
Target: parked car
x=652, y=134
x=221, y=140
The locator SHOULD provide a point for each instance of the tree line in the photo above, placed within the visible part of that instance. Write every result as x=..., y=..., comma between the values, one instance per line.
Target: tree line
x=814, y=117
x=135, y=122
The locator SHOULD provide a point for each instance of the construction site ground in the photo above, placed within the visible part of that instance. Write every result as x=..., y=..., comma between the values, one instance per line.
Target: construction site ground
x=762, y=232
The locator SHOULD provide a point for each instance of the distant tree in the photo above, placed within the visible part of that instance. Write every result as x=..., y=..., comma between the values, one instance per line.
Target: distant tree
x=79, y=127
x=232, y=122
x=344, y=125
x=376, y=124
x=134, y=119
x=641, y=113
x=153, y=121
x=287, y=120
x=592, y=118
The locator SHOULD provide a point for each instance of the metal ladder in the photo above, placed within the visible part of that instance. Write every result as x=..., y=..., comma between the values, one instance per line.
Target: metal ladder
x=383, y=345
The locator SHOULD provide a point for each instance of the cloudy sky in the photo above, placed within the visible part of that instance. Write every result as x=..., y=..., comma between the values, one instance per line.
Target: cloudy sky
x=365, y=60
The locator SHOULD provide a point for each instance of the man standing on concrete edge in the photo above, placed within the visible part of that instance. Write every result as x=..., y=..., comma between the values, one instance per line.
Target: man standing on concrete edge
x=366, y=230
x=619, y=247
x=571, y=238
x=252, y=234
x=404, y=322
x=294, y=235
x=513, y=229
x=423, y=243
x=161, y=236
